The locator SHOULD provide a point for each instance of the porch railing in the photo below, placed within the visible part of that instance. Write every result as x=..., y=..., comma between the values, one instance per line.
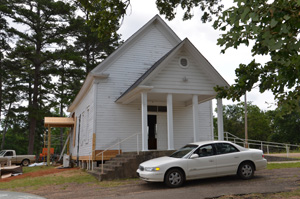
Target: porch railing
x=260, y=144
x=118, y=143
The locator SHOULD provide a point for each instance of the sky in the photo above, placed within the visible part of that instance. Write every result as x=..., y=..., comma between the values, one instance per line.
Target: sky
x=204, y=37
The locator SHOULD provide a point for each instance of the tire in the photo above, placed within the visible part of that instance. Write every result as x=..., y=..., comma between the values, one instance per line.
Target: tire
x=25, y=162
x=174, y=178
x=246, y=170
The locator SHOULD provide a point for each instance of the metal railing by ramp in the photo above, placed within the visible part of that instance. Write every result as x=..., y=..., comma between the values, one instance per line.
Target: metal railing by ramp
x=265, y=146
x=118, y=143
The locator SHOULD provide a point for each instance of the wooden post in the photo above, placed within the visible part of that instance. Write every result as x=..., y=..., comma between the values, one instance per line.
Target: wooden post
x=49, y=145
x=44, y=159
x=246, y=123
x=68, y=144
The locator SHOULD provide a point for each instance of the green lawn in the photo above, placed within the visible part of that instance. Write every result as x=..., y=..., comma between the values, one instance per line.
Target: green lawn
x=283, y=165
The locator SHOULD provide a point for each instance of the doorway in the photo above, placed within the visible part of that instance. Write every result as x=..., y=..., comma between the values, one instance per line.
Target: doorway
x=152, y=127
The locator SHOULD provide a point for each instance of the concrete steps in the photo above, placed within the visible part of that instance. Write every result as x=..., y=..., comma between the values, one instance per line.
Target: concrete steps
x=125, y=165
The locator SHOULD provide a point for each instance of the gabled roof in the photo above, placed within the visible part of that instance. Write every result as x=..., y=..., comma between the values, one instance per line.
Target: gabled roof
x=98, y=71
x=206, y=66
x=148, y=72
x=155, y=21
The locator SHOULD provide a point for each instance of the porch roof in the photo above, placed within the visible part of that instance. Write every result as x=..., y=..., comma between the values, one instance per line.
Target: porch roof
x=58, y=122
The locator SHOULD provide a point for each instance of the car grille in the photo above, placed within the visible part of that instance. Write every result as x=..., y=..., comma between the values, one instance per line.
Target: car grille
x=141, y=168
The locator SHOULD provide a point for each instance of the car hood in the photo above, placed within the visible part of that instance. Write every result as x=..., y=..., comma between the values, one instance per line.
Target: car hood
x=159, y=161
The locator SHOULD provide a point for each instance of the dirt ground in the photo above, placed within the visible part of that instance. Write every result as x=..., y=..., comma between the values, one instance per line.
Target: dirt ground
x=37, y=174
x=265, y=181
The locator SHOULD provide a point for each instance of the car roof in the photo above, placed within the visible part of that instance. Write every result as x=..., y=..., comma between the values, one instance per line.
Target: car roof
x=210, y=142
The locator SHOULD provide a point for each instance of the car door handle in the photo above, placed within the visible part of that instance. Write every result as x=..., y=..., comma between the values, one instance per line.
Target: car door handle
x=236, y=157
x=211, y=160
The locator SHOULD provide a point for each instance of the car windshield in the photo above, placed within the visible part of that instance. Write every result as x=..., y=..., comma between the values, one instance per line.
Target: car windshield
x=2, y=153
x=183, y=151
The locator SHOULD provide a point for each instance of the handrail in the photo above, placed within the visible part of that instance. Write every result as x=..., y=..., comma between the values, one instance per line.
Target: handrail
x=261, y=143
x=278, y=143
x=102, y=152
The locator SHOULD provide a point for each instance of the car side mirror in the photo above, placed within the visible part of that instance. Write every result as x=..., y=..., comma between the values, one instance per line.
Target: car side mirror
x=194, y=156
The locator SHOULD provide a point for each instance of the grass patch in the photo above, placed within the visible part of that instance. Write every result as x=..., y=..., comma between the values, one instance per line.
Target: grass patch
x=34, y=169
x=283, y=165
x=76, y=176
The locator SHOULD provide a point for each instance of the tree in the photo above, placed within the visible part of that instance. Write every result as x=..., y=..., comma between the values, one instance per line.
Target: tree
x=274, y=29
x=259, y=122
x=285, y=127
x=90, y=49
x=4, y=47
x=104, y=16
x=45, y=21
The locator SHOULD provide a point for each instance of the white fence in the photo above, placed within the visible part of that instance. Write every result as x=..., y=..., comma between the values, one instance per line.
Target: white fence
x=265, y=146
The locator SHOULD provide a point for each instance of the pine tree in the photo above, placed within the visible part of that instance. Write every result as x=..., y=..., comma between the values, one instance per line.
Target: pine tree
x=45, y=22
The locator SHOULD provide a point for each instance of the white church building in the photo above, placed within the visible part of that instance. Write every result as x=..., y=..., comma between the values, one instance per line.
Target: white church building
x=155, y=92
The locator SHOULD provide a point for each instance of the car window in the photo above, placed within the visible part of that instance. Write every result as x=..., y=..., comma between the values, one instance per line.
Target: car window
x=9, y=153
x=183, y=151
x=204, y=151
x=223, y=148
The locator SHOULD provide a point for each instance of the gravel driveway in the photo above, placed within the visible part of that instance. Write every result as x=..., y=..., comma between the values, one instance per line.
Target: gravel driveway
x=265, y=181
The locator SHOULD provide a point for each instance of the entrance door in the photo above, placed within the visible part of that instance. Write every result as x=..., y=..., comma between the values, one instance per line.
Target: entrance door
x=152, y=123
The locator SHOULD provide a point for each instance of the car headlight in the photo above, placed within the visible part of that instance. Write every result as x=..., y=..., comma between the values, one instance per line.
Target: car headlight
x=152, y=168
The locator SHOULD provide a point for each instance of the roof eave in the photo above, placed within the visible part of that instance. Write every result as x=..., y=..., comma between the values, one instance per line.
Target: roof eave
x=133, y=94
x=85, y=88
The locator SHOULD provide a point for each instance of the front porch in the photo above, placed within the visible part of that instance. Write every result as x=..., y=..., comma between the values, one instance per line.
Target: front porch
x=149, y=98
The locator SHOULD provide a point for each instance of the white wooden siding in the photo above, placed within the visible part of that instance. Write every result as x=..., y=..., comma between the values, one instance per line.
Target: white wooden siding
x=85, y=110
x=162, y=132
x=171, y=76
x=137, y=60
x=114, y=121
x=183, y=126
x=206, y=121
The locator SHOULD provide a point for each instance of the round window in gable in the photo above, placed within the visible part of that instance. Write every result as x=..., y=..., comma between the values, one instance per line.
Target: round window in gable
x=183, y=62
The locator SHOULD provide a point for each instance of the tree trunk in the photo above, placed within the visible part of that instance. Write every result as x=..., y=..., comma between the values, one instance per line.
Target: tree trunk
x=5, y=127
x=34, y=110
x=0, y=89
x=61, y=129
x=62, y=104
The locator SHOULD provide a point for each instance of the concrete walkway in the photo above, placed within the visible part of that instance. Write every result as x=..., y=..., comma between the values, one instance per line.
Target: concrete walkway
x=18, y=195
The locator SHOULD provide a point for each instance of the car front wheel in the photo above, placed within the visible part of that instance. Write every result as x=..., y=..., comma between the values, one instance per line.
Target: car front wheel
x=174, y=178
x=246, y=170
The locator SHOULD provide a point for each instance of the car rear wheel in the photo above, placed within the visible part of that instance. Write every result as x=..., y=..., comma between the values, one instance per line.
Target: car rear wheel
x=25, y=162
x=246, y=170
x=174, y=178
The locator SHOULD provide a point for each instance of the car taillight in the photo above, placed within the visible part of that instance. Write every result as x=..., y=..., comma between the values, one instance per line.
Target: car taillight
x=263, y=155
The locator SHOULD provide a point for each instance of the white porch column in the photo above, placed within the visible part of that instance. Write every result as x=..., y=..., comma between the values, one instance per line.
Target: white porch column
x=220, y=119
x=144, y=122
x=195, y=118
x=170, y=122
